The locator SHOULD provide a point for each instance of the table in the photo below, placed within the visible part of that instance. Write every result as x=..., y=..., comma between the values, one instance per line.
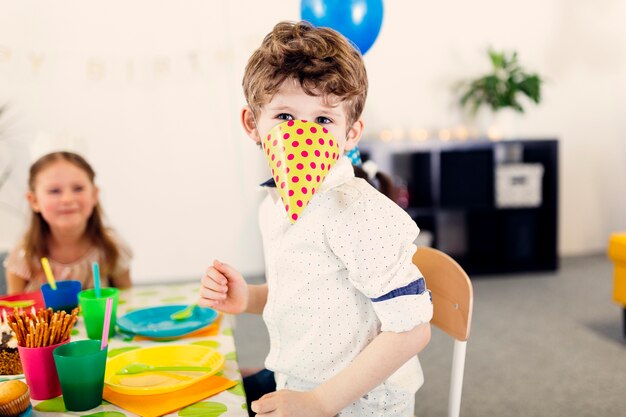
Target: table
x=227, y=403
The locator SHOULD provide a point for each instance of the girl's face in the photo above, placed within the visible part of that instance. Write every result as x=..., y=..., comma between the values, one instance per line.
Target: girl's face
x=64, y=195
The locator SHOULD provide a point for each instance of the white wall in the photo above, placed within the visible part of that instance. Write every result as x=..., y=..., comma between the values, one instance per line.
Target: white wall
x=579, y=47
x=150, y=92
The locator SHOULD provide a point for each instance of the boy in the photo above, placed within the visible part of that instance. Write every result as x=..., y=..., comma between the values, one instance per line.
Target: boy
x=346, y=309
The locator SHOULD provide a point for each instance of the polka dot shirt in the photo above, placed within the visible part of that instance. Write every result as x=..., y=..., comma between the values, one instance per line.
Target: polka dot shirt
x=338, y=277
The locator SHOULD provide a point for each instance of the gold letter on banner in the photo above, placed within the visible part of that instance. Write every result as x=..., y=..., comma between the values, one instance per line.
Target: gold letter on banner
x=95, y=69
x=36, y=60
x=161, y=66
x=193, y=58
x=130, y=70
x=5, y=53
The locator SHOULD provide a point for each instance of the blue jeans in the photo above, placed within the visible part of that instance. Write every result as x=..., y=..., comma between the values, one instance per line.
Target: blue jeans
x=258, y=385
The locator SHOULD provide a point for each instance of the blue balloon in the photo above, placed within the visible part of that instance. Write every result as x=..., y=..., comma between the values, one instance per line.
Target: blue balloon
x=357, y=20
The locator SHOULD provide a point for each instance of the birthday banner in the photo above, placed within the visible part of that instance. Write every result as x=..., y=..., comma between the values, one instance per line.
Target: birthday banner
x=42, y=64
x=117, y=40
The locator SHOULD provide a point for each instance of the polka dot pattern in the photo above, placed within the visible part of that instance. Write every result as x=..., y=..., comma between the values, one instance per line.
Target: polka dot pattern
x=299, y=162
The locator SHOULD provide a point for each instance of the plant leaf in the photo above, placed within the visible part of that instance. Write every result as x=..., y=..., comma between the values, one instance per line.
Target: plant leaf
x=500, y=89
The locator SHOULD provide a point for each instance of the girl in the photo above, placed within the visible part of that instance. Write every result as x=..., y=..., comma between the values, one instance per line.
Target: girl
x=67, y=227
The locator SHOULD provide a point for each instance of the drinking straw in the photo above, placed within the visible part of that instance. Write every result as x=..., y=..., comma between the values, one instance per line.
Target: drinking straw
x=107, y=323
x=48, y=271
x=96, y=278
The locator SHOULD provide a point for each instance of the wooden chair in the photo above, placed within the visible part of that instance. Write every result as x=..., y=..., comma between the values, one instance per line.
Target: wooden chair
x=453, y=299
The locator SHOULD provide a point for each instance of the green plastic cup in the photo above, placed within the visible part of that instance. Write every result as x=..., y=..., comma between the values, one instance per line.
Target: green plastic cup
x=92, y=308
x=80, y=366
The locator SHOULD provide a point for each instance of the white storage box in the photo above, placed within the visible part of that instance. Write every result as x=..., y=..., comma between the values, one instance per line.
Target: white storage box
x=518, y=185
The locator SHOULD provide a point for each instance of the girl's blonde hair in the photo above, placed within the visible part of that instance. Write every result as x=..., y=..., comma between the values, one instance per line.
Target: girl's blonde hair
x=321, y=60
x=35, y=242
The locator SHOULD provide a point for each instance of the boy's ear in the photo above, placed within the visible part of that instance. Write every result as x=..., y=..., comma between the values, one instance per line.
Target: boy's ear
x=354, y=135
x=249, y=124
x=32, y=201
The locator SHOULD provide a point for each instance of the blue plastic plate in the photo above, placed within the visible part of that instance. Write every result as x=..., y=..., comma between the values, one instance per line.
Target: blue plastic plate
x=156, y=322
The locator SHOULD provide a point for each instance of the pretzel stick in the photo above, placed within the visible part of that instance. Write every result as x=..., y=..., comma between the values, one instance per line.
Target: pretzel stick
x=16, y=330
x=66, y=326
x=40, y=334
x=36, y=335
x=24, y=327
x=53, y=329
x=69, y=328
x=31, y=332
x=46, y=333
x=42, y=328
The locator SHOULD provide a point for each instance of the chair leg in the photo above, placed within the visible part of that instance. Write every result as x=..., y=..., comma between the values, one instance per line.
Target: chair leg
x=456, y=378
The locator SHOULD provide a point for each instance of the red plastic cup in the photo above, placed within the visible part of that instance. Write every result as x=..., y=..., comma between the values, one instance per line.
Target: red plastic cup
x=40, y=371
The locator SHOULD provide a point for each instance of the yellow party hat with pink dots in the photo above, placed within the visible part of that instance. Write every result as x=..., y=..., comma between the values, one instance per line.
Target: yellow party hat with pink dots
x=300, y=154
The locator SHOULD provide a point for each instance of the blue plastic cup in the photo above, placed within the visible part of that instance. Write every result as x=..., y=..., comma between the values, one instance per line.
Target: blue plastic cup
x=65, y=297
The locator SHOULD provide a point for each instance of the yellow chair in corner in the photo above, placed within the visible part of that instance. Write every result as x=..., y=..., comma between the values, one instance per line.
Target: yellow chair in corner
x=453, y=299
x=617, y=253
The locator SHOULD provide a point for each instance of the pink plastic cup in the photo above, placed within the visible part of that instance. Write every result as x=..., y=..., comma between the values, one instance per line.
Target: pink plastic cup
x=40, y=371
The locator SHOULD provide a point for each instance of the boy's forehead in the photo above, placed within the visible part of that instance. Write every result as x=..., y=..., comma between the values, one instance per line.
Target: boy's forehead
x=292, y=95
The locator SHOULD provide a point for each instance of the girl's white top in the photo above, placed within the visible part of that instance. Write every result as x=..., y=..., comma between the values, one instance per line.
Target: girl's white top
x=79, y=270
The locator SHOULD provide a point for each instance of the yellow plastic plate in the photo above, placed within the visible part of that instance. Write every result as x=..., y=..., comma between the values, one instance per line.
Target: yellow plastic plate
x=148, y=383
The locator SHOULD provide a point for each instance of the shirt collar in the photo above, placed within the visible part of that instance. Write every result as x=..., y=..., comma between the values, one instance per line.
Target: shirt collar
x=340, y=173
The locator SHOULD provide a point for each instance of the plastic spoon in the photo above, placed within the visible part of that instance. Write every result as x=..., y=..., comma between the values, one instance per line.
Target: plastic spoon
x=48, y=271
x=17, y=304
x=139, y=367
x=185, y=313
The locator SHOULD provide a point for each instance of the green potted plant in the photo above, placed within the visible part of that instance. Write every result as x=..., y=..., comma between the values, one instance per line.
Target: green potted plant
x=505, y=87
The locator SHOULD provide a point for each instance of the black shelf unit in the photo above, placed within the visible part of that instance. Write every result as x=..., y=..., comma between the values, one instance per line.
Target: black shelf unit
x=451, y=188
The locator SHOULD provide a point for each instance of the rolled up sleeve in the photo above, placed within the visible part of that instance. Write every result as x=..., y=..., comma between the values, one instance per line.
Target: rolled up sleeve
x=375, y=242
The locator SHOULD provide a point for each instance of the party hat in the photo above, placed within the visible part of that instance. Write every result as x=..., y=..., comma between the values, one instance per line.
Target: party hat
x=300, y=154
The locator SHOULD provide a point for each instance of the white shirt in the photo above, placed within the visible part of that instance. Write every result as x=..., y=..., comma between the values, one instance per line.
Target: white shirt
x=338, y=277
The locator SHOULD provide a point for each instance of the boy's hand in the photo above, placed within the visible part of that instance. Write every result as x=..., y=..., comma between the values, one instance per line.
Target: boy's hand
x=223, y=288
x=286, y=403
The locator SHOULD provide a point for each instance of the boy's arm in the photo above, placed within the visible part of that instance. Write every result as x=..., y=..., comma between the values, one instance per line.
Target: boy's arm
x=224, y=288
x=257, y=297
x=381, y=358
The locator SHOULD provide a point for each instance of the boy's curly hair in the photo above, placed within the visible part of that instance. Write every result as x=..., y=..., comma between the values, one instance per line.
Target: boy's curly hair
x=320, y=59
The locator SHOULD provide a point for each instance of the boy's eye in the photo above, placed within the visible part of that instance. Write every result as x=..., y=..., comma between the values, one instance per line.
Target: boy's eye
x=54, y=191
x=78, y=188
x=285, y=116
x=323, y=120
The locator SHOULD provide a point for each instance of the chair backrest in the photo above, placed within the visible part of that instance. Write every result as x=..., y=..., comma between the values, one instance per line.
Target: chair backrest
x=451, y=289
x=3, y=279
x=453, y=301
